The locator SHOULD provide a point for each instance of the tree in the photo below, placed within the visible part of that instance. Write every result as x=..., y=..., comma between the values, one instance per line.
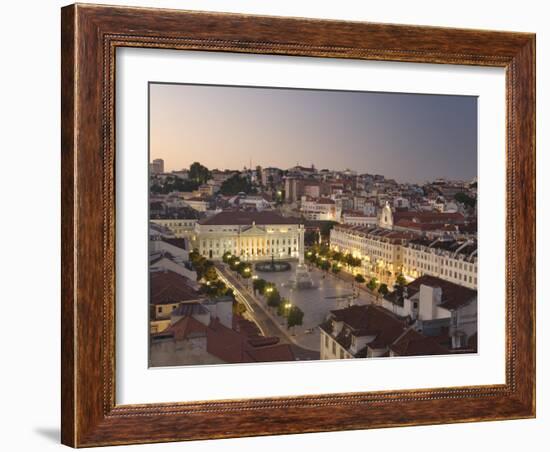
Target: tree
x=465, y=199
x=172, y=183
x=226, y=256
x=283, y=307
x=383, y=289
x=244, y=269
x=274, y=298
x=325, y=229
x=337, y=256
x=236, y=184
x=210, y=273
x=198, y=173
x=234, y=263
x=324, y=265
x=238, y=308
x=311, y=237
x=372, y=284
x=295, y=317
x=359, y=278
x=215, y=288
x=400, y=280
x=335, y=268
x=259, y=285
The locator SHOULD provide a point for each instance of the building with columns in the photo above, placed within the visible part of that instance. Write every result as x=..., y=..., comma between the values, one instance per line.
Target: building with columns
x=250, y=235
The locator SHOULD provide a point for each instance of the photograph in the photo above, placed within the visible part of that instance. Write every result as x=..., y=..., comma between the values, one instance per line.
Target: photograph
x=290, y=224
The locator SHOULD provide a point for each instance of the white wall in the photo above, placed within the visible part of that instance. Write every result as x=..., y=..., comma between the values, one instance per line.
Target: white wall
x=30, y=144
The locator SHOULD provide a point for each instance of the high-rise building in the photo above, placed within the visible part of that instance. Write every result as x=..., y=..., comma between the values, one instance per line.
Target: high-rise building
x=157, y=166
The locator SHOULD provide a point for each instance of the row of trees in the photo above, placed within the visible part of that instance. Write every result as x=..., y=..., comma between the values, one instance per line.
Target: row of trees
x=237, y=184
x=327, y=259
x=173, y=183
x=244, y=269
x=293, y=314
x=284, y=308
x=206, y=273
x=383, y=289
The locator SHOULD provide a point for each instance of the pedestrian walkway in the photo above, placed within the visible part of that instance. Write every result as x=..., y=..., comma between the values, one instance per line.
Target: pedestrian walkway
x=268, y=323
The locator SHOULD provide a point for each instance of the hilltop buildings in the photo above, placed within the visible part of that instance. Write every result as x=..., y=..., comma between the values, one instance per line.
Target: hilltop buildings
x=426, y=233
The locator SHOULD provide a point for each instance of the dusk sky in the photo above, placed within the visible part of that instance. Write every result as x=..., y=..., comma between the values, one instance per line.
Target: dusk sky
x=408, y=137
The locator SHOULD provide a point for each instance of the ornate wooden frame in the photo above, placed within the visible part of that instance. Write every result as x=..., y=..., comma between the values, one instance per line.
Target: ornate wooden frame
x=90, y=35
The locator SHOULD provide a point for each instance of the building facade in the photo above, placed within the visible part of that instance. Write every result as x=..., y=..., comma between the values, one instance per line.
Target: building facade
x=368, y=331
x=448, y=259
x=438, y=308
x=380, y=250
x=320, y=209
x=250, y=235
x=156, y=166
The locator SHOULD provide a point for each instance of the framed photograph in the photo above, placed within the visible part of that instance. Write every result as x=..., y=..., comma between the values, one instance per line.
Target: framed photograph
x=282, y=225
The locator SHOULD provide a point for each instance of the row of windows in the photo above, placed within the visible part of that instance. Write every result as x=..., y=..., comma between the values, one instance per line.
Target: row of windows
x=250, y=251
x=447, y=262
x=249, y=242
x=341, y=350
x=446, y=273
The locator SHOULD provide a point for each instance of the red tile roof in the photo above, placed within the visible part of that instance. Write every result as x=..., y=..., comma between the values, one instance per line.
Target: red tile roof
x=238, y=347
x=238, y=217
x=369, y=320
x=185, y=328
x=453, y=295
x=429, y=217
x=413, y=343
x=168, y=287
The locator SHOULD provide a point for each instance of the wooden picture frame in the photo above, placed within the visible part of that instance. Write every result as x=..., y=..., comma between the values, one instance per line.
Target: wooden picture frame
x=90, y=35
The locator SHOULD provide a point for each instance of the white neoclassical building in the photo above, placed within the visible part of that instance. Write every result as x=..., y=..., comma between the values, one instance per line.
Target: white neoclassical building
x=250, y=235
x=380, y=250
x=448, y=259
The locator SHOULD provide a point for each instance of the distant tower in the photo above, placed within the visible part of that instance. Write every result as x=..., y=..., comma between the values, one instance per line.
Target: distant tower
x=157, y=167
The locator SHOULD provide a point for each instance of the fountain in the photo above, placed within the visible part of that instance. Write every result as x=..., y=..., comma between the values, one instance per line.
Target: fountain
x=302, y=278
x=272, y=266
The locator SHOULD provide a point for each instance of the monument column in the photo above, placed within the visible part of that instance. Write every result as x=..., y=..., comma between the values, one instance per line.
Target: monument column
x=301, y=245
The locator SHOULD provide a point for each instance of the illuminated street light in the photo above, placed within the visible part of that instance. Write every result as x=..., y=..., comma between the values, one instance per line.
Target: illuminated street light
x=254, y=276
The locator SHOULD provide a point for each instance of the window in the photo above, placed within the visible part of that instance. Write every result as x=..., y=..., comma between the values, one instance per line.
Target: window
x=333, y=347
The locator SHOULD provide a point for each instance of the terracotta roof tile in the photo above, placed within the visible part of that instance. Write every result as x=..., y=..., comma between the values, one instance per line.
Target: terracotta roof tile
x=238, y=217
x=413, y=343
x=167, y=287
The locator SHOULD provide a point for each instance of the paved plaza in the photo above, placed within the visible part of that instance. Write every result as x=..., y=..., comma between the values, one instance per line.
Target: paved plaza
x=316, y=302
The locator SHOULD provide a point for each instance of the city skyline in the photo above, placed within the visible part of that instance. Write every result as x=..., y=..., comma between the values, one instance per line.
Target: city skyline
x=408, y=137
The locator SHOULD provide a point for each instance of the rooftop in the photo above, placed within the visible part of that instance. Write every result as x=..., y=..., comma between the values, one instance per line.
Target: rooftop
x=242, y=218
x=366, y=320
x=413, y=343
x=453, y=295
x=168, y=287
